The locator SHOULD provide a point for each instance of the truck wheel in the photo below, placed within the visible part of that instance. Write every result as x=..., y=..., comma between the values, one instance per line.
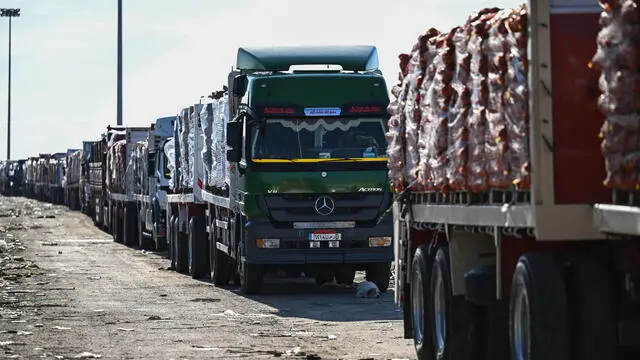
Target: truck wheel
x=171, y=236
x=323, y=276
x=345, y=275
x=420, y=295
x=219, y=265
x=379, y=274
x=538, y=311
x=182, y=250
x=160, y=242
x=130, y=224
x=251, y=279
x=197, y=248
x=451, y=316
x=144, y=241
x=590, y=291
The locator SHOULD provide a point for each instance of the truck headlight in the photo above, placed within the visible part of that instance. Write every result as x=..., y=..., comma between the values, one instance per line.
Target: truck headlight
x=380, y=241
x=268, y=243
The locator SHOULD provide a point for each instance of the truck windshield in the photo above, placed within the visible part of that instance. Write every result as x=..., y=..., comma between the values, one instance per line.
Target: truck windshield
x=319, y=138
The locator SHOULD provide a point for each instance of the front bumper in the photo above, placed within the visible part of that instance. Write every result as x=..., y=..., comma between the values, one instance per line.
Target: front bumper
x=294, y=246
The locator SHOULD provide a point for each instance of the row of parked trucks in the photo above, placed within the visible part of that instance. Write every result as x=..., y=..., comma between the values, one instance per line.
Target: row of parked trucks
x=484, y=172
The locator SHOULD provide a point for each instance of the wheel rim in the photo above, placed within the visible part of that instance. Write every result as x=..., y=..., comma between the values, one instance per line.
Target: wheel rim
x=439, y=312
x=520, y=325
x=417, y=307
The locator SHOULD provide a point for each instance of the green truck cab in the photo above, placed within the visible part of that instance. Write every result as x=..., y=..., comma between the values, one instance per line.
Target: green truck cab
x=307, y=154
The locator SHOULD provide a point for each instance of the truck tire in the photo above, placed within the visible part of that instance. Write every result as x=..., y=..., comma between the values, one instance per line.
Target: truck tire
x=452, y=317
x=592, y=313
x=251, y=279
x=130, y=224
x=538, y=311
x=144, y=241
x=197, y=248
x=171, y=235
x=379, y=274
x=182, y=250
x=344, y=274
x=323, y=276
x=160, y=242
x=219, y=264
x=420, y=301
x=116, y=224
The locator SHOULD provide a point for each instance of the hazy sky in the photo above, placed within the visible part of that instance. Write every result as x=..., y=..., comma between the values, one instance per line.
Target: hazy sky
x=64, y=54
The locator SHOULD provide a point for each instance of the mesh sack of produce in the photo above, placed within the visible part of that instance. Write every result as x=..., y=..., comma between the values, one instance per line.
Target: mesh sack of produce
x=477, y=121
x=428, y=111
x=395, y=133
x=516, y=98
x=496, y=141
x=458, y=132
x=412, y=110
x=442, y=106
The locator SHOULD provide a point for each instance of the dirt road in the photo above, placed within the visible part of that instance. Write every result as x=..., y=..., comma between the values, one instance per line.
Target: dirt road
x=68, y=291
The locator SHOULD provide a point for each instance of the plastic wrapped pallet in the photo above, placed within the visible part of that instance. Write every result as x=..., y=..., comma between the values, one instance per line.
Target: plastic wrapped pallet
x=183, y=129
x=496, y=149
x=395, y=134
x=617, y=58
x=458, y=132
x=206, y=123
x=170, y=153
x=194, y=118
x=437, y=94
x=473, y=133
x=412, y=113
x=219, y=173
x=516, y=98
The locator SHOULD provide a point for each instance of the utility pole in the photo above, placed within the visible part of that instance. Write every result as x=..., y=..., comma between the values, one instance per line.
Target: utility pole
x=119, y=96
x=10, y=13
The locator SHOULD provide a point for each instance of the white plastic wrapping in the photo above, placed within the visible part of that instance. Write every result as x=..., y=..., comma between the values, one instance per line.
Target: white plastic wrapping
x=170, y=152
x=219, y=174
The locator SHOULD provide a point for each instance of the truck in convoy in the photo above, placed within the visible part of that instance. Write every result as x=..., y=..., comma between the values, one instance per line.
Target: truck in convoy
x=302, y=187
x=42, y=177
x=120, y=205
x=54, y=186
x=495, y=164
x=97, y=188
x=12, y=177
x=152, y=183
x=74, y=180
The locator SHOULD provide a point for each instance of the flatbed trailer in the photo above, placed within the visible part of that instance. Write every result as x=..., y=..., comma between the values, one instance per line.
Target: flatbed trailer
x=122, y=207
x=548, y=271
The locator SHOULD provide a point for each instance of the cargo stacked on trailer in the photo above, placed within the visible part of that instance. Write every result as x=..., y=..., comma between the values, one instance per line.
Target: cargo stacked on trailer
x=121, y=208
x=152, y=183
x=73, y=188
x=97, y=187
x=494, y=159
x=302, y=187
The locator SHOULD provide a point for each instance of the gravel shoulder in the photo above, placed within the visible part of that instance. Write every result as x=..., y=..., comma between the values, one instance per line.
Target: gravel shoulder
x=68, y=291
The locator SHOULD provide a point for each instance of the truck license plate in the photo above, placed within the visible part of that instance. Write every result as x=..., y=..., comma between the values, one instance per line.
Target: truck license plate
x=324, y=235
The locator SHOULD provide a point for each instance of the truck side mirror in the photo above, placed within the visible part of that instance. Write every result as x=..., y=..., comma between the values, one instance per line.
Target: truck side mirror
x=239, y=85
x=234, y=141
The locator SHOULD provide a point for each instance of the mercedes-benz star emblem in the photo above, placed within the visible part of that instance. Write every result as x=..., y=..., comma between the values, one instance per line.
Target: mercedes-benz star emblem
x=324, y=205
